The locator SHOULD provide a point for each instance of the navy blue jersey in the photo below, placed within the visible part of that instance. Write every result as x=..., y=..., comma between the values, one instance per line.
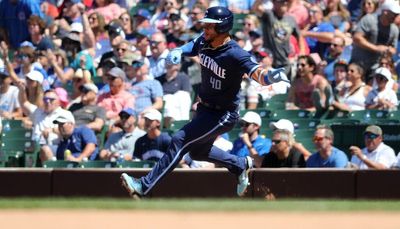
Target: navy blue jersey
x=222, y=70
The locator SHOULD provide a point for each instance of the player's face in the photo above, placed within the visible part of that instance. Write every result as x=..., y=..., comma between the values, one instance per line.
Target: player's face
x=209, y=32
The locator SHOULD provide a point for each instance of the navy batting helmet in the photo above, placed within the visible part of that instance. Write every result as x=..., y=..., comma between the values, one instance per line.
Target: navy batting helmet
x=221, y=16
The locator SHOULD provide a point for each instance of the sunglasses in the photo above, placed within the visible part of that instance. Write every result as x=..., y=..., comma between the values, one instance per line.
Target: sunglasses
x=137, y=64
x=335, y=45
x=301, y=65
x=245, y=124
x=318, y=139
x=371, y=136
x=121, y=49
x=155, y=43
x=276, y=142
x=22, y=56
x=48, y=99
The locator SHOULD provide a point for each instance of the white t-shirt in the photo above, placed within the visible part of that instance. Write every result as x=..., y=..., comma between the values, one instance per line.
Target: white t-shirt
x=41, y=121
x=9, y=100
x=387, y=94
x=383, y=154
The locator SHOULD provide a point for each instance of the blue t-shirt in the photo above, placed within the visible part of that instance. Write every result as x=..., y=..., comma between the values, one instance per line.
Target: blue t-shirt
x=261, y=144
x=13, y=18
x=152, y=149
x=337, y=159
x=180, y=83
x=145, y=92
x=314, y=44
x=222, y=69
x=77, y=142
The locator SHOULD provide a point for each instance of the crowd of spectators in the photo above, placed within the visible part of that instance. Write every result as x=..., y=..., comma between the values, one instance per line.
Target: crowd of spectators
x=71, y=69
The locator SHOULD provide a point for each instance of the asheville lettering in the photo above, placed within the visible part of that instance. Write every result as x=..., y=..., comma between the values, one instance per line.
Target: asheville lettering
x=209, y=63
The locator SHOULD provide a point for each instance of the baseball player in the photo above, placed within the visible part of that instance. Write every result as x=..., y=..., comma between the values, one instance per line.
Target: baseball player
x=223, y=64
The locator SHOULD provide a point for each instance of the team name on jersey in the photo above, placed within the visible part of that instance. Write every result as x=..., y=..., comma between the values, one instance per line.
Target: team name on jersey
x=209, y=63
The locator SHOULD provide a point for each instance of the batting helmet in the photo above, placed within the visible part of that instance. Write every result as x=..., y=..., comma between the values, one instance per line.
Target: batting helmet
x=221, y=16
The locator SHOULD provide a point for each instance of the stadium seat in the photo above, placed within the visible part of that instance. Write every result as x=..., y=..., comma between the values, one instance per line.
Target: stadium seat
x=97, y=164
x=136, y=164
x=290, y=114
x=60, y=164
x=238, y=20
x=234, y=134
x=264, y=113
x=303, y=124
x=175, y=126
x=365, y=116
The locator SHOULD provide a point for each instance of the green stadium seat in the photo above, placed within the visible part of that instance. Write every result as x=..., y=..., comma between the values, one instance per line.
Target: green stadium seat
x=366, y=116
x=16, y=133
x=101, y=137
x=303, y=124
x=136, y=164
x=60, y=164
x=238, y=20
x=234, y=134
x=264, y=113
x=290, y=114
x=175, y=126
x=14, y=124
x=97, y=164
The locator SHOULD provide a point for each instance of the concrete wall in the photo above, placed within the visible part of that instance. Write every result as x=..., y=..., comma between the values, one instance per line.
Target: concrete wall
x=216, y=183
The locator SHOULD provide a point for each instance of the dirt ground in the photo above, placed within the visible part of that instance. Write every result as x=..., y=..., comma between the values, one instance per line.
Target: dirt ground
x=99, y=219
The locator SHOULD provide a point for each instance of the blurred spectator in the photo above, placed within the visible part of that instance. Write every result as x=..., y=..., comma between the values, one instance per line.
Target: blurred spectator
x=353, y=96
x=148, y=92
x=277, y=29
x=376, y=154
x=87, y=112
x=338, y=16
x=250, y=24
x=165, y=8
x=386, y=61
x=368, y=7
x=80, y=141
x=309, y=90
x=375, y=35
x=117, y=99
x=59, y=66
x=80, y=77
x=251, y=143
x=285, y=124
x=299, y=11
x=382, y=98
x=143, y=42
x=340, y=74
x=159, y=52
x=102, y=42
x=177, y=90
x=9, y=103
x=122, y=144
x=142, y=20
x=127, y=25
x=154, y=144
x=282, y=153
x=335, y=52
x=327, y=155
x=318, y=33
x=196, y=14
x=107, y=8
x=176, y=30
x=44, y=130
x=62, y=96
x=126, y=65
x=37, y=27
x=13, y=20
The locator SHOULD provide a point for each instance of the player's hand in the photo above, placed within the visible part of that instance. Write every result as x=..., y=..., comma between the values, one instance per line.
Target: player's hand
x=276, y=75
x=174, y=56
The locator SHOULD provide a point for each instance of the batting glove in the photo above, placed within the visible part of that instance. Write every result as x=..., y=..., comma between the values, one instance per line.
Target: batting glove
x=275, y=75
x=174, y=56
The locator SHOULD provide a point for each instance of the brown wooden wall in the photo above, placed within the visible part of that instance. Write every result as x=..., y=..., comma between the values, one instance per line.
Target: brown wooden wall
x=216, y=183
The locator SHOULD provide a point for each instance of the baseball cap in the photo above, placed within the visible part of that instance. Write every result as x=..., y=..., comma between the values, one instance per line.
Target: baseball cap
x=62, y=95
x=252, y=117
x=143, y=13
x=391, y=5
x=153, y=114
x=35, y=76
x=383, y=72
x=128, y=111
x=64, y=117
x=145, y=32
x=282, y=124
x=117, y=72
x=115, y=28
x=130, y=57
x=374, y=130
x=255, y=34
x=72, y=36
x=138, y=62
x=27, y=44
x=174, y=17
x=89, y=87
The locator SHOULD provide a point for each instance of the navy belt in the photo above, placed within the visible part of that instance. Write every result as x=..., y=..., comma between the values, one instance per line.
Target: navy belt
x=218, y=107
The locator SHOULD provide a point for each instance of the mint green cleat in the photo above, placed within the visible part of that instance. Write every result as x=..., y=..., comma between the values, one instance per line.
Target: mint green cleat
x=132, y=185
x=243, y=179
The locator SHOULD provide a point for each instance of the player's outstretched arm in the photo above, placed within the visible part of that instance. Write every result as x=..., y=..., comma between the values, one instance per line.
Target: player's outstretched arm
x=270, y=76
x=175, y=55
